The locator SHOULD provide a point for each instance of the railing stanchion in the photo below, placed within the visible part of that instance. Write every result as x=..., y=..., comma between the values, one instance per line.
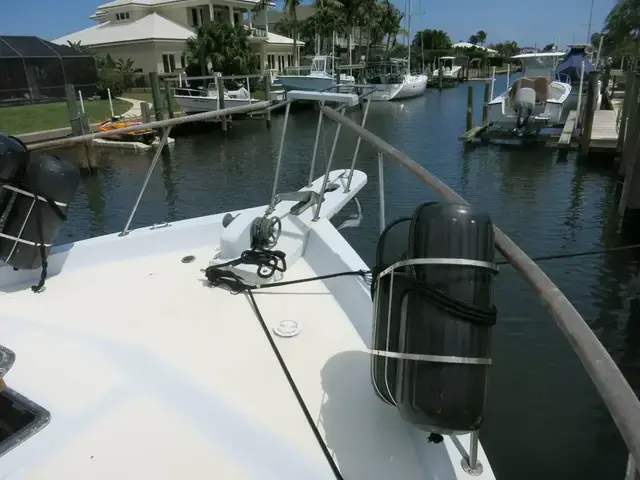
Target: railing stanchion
x=383, y=221
x=631, y=472
x=325, y=180
x=471, y=465
x=315, y=149
x=161, y=145
x=279, y=162
x=358, y=141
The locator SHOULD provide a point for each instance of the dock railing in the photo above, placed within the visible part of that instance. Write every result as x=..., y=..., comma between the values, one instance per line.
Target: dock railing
x=617, y=395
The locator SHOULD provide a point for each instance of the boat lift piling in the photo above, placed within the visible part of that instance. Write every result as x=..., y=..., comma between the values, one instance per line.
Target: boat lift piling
x=469, y=107
x=79, y=122
x=488, y=87
x=220, y=86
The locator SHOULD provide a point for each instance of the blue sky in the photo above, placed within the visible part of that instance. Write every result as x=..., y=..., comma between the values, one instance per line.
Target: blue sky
x=527, y=22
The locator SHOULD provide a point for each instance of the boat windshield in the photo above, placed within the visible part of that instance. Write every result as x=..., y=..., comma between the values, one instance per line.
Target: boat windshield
x=391, y=67
x=448, y=62
x=322, y=64
x=539, y=65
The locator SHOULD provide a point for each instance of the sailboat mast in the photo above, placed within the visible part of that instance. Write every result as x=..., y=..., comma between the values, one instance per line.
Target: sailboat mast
x=409, y=34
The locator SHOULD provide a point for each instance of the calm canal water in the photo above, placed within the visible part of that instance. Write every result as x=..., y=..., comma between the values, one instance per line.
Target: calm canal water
x=544, y=418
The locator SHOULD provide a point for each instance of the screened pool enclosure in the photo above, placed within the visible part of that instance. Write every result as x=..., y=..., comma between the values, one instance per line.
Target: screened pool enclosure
x=35, y=71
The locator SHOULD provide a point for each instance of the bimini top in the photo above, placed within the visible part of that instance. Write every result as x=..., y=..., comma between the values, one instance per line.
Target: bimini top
x=539, y=54
x=572, y=63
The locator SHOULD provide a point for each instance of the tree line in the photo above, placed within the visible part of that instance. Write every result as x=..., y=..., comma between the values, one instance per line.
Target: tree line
x=621, y=33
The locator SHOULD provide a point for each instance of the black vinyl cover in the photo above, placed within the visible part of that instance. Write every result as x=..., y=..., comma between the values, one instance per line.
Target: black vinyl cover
x=436, y=396
x=51, y=178
x=14, y=157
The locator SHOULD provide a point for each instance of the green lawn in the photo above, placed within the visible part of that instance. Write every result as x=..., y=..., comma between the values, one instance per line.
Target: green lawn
x=34, y=118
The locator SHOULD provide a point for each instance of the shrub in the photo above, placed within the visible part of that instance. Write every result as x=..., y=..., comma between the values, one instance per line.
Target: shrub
x=110, y=78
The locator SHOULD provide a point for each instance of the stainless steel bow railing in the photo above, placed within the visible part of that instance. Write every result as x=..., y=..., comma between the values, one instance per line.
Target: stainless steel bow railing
x=617, y=395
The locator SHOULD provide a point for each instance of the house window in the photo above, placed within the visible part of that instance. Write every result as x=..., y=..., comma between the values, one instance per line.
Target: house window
x=280, y=63
x=290, y=60
x=168, y=62
x=196, y=16
x=122, y=16
x=236, y=19
x=183, y=61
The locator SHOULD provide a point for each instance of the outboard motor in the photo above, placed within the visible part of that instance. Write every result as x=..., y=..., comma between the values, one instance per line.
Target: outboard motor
x=433, y=316
x=41, y=190
x=525, y=102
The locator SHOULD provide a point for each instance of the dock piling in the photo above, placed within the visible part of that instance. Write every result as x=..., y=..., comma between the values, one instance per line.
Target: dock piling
x=157, y=98
x=145, y=110
x=267, y=94
x=632, y=124
x=79, y=123
x=469, y=108
x=168, y=95
x=590, y=108
x=487, y=99
x=629, y=86
x=440, y=74
x=630, y=197
x=223, y=119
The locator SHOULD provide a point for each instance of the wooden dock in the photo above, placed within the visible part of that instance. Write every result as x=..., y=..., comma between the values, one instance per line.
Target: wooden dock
x=604, y=133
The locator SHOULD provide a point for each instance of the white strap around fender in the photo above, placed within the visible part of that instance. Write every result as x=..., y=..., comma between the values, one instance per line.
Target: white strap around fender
x=432, y=358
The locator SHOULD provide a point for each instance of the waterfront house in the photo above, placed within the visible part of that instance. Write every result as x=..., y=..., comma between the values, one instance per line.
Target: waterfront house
x=152, y=33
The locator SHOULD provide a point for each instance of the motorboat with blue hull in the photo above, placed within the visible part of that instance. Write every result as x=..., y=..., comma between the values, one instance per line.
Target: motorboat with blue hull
x=572, y=71
x=536, y=100
x=253, y=343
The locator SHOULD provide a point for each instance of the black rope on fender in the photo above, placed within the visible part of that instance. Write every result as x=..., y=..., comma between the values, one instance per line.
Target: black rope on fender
x=268, y=262
x=43, y=252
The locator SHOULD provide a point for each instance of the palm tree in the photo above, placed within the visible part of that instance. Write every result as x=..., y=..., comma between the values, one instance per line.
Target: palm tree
x=77, y=46
x=127, y=71
x=225, y=46
x=390, y=21
x=329, y=18
x=482, y=36
x=198, y=48
x=290, y=7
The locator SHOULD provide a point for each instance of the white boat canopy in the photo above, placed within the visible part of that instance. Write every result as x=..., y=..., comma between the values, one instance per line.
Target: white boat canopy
x=539, y=54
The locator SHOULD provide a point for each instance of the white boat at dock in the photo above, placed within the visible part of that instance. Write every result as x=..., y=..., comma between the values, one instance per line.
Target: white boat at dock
x=322, y=76
x=451, y=72
x=393, y=81
x=193, y=100
x=536, y=100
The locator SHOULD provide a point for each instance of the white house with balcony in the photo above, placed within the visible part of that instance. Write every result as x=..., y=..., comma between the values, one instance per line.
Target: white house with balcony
x=152, y=33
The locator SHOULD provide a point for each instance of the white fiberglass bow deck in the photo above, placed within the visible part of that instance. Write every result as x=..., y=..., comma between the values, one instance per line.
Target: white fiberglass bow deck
x=136, y=361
